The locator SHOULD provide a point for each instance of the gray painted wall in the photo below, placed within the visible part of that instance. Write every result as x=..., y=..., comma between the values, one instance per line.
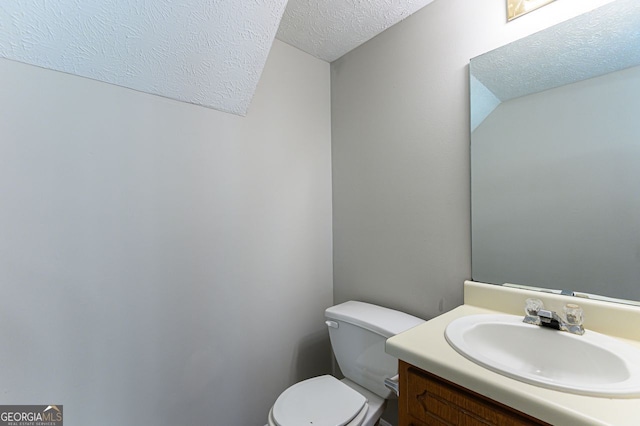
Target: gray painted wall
x=400, y=152
x=555, y=184
x=163, y=263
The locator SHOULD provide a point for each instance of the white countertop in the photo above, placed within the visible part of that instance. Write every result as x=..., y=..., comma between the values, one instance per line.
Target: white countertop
x=425, y=347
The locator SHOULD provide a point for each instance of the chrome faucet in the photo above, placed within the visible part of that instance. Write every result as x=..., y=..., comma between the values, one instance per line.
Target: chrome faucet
x=571, y=322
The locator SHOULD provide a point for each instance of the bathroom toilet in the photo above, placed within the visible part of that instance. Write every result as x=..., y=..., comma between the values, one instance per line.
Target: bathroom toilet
x=358, y=332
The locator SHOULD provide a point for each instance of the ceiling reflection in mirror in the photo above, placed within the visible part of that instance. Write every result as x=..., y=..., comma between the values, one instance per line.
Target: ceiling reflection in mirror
x=555, y=157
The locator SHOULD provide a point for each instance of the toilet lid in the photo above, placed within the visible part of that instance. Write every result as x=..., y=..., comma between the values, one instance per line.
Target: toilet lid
x=321, y=401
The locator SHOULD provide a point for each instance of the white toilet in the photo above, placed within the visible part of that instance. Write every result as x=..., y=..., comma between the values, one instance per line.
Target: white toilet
x=358, y=332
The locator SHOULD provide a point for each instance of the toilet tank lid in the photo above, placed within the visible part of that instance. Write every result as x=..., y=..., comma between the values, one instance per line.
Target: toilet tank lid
x=384, y=321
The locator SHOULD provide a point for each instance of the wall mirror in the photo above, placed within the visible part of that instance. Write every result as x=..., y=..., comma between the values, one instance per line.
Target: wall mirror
x=555, y=157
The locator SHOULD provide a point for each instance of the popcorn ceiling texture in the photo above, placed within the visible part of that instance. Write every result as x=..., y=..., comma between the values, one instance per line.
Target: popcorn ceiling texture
x=329, y=29
x=587, y=46
x=205, y=52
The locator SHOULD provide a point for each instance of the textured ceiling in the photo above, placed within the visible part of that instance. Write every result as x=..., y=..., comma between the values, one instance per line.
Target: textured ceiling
x=328, y=29
x=596, y=43
x=206, y=52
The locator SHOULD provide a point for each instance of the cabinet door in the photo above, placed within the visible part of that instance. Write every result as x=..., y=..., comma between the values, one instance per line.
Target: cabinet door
x=426, y=399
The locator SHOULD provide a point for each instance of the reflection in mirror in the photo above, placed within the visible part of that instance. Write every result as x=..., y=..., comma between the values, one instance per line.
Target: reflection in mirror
x=555, y=157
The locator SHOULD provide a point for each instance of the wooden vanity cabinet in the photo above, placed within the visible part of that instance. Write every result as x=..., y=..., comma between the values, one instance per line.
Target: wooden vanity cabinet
x=426, y=399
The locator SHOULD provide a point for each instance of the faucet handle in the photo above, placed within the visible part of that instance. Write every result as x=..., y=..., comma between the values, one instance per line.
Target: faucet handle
x=533, y=306
x=573, y=314
x=531, y=309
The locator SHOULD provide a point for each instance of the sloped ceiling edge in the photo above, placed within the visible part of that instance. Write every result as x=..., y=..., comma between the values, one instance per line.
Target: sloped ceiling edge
x=209, y=53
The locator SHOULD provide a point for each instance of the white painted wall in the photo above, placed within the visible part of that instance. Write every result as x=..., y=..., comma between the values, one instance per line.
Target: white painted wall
x=400, y=152
x=555, y=180
x=163, y=263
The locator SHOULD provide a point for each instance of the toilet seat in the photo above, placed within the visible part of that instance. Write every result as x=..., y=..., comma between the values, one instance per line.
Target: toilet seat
x=321, y=401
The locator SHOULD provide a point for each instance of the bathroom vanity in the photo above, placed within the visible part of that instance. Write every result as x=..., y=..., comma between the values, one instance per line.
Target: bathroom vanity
x=426, y=399
x=439, y=386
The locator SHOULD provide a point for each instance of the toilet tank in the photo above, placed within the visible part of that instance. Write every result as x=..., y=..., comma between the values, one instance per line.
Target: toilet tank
x=358, y=332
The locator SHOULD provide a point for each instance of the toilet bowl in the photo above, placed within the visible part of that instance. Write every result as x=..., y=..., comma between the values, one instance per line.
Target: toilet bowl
x=358, y=332
x=325, y=400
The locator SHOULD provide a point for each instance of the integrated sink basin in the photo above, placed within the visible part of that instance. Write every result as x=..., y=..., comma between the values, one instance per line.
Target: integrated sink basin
x=592, y=364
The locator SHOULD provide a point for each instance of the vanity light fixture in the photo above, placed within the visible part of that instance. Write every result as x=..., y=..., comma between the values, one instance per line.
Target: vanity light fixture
x=516, y=8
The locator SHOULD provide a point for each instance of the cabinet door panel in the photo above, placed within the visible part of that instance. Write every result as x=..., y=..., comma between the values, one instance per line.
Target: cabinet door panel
x=426, y=399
